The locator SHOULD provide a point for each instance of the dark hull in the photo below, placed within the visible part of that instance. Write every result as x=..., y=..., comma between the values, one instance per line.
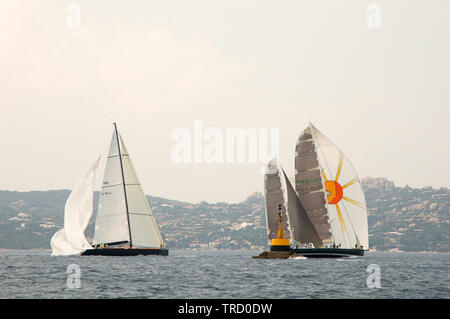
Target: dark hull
x=328, y=252
x=277, y=253
x=125, y=252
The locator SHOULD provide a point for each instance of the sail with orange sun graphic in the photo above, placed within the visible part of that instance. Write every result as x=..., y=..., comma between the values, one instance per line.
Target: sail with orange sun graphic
x=330, y=191
x=324, y=214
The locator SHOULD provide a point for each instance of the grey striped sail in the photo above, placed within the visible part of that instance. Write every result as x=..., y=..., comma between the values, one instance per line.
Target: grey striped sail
x=124, y=215
x=274, y=196
x=309, y=186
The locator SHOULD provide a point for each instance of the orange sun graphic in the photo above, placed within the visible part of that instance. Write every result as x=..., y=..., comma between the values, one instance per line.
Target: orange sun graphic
x=335, y=193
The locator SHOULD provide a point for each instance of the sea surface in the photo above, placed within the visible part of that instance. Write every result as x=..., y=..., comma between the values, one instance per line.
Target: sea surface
x=222, y=274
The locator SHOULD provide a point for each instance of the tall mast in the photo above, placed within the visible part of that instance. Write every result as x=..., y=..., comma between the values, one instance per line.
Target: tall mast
x=123, y=182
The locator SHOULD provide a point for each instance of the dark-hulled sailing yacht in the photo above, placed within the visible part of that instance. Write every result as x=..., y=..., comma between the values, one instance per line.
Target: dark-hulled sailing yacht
x=124, y=225
x=325, y=214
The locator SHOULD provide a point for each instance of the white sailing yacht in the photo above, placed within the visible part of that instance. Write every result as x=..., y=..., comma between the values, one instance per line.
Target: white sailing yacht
x=124, y=225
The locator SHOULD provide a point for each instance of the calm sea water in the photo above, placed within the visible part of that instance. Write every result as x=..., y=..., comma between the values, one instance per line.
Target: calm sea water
x=222, y=274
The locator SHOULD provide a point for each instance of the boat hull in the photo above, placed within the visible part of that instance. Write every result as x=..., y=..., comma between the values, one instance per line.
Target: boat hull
x=310, y=253
x=328, y=252
x=125, y=252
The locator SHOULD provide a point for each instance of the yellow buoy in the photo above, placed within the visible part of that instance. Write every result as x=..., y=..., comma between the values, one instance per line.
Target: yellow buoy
x=280, y=241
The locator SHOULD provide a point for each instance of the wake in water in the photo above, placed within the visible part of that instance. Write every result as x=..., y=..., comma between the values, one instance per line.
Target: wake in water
x=351, y=258
x=298, y=257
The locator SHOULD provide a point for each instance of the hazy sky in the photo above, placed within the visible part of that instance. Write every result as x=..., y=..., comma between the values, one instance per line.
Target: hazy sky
x=381, y=94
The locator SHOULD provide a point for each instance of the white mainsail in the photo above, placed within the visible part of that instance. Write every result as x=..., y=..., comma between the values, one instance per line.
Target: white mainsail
x=78, y=210
x=111, y=224
x=346, y=203
x=144, y=230
x=124, y=214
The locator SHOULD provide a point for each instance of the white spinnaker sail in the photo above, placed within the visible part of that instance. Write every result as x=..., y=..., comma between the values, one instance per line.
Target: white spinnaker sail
x=144, y=230
x=111, y=224
x=78, y=210
x=346, y=201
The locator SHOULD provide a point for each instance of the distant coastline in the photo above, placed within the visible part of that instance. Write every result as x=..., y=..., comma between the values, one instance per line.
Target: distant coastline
x=400, y=219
